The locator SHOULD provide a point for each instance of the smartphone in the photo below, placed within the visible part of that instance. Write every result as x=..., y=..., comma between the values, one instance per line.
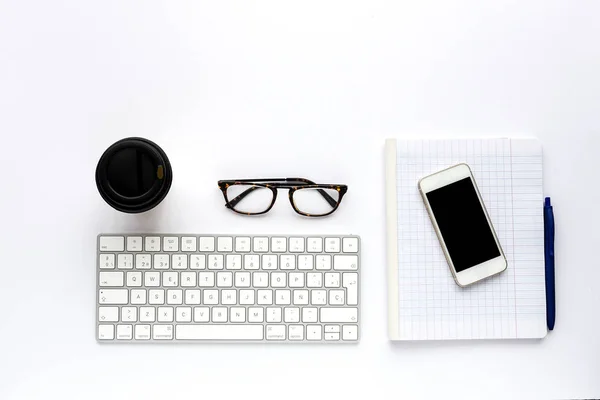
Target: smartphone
x=462, y=224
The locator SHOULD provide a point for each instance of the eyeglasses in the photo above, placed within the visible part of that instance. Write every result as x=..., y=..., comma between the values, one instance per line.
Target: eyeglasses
x=257, y=196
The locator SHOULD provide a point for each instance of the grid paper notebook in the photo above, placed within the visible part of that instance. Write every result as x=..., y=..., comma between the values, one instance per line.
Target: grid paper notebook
x=424, y=301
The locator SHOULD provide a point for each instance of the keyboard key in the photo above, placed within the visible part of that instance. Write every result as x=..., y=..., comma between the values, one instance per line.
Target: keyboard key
x=152, y=279
x=174, y=296
x=183, y=314
x=215, y=261
x=113, y=296
x=332, y=280
x=251, y=261
x=228, y=297
x=278, y=279
x=314, y=332
x=110, y=279
x=278, y=245
x=134, y=243
x=297, y=245
x=143, y=261
x=106, y=332
x=332, y=336
x=288, y=261
x=339, y=314
x=107, y=261
x=207, y=244
x=350, y=332
x=112, y=243
x=192, y=296
x=350, y=245
x=260, y=279
x=314, y=245
x=300, y=297
x=162, y=261
x=296, y=332
x=224, y=279
x=142, y=332
x=225, y=244
x=108, y=314
x=152, y=243
x=255, y=314
x=332, y=245
x=242, y=244
x=310, y=314
x=170, y=243
x=147, y=314
x=162, y=332
x=201, y=314
x=197, y=261
x=179, y=261
x=242, y=279
x=134, y=279
x=124, y=332
x=125, y=261
x=247, y=297
x=189, y=244
x=129, y=314
x=237, y=314
x=283, y=297
x=350, y=282
x=275, y=332
x=206, y=279
x=296, y=279
x=188, y=279
x=273, y=314
x=211, y=297
x=156, y=296
x=219, y=332
x=323, y=262
x=336, y=297
x=345, y=263
x=318, y=297
x=219, y=314
x=269, y=261
x=305, y=262
x=332, y=329
x=261, y=244
x=138, y=296
x=314, y=280
x=165, y=314
x=170, y=279
x=233, y=261
x=291, y=314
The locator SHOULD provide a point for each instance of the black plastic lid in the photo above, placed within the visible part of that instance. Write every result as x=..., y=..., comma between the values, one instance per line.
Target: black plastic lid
x=134, y=175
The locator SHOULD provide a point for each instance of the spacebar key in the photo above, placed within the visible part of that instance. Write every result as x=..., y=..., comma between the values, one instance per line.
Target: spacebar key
x=219, y=332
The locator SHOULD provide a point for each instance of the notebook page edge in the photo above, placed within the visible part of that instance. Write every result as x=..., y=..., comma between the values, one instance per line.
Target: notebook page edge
x=392, y=237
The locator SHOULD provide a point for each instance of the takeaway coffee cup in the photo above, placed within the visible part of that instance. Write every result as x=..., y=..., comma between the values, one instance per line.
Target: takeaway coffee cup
x=134, y=175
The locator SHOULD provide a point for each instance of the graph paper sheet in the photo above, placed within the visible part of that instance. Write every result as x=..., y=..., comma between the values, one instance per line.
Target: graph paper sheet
x=424, y=301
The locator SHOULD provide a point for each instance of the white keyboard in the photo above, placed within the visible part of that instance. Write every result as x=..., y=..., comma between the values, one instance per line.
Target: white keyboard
x=190, y=288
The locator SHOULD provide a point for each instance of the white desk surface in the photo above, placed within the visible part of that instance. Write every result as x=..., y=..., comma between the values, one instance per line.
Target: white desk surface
x=275, y=89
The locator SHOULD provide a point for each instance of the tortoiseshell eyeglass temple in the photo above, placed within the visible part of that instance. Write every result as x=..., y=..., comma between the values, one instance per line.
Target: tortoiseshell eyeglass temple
x=257, y=196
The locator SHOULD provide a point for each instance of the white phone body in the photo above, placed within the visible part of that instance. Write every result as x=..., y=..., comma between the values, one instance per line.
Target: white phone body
x=453, y=196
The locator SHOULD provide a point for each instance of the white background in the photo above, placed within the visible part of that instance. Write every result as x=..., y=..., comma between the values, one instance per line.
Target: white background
x=282, y=88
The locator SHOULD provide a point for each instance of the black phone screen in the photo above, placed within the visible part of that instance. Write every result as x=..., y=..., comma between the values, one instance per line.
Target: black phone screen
x=463, y=224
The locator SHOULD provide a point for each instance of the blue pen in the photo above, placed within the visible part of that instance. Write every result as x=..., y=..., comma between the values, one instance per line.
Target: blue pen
x=549, y=257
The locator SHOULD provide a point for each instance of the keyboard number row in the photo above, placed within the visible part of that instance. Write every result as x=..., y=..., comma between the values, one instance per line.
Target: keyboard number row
x=229, y=261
